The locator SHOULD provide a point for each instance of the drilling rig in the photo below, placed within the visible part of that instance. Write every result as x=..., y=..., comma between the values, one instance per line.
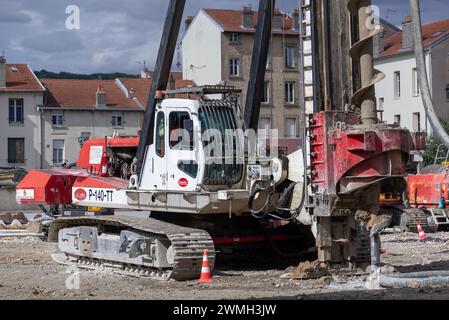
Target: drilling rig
x=354, y=157
x=348, y=159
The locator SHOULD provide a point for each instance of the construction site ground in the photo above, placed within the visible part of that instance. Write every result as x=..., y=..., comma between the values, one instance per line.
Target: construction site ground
x=27, y=271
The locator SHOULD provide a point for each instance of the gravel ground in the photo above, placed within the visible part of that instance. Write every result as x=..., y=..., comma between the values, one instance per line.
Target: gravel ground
x=28, y=272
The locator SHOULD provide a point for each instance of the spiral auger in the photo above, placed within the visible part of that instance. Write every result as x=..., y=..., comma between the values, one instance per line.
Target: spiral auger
x=362, y=52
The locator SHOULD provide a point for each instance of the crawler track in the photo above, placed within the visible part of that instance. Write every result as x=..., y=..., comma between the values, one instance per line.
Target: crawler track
x=188, y=245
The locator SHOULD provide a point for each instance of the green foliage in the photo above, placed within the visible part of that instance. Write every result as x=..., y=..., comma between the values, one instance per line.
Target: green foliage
x=44, y=74
x=432, y=146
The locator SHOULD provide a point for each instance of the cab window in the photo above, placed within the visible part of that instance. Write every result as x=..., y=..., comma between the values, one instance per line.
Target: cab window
x=160, y=135
x=189, y=167
x=181, y=131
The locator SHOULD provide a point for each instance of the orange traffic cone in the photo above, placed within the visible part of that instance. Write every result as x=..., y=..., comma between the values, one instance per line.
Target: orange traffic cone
x=422, y=234
x=205, y=270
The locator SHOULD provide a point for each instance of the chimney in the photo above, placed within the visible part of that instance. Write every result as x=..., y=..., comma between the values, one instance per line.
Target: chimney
x=379, y=42
x=145, y=73
x=407, y=33
x=188, y=21
x=277, y=19
x=100, y=96
x=296, y=20
x=248, y=17
x=2, y=72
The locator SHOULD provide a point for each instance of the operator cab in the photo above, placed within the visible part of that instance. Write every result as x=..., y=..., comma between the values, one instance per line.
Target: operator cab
x=194, y=146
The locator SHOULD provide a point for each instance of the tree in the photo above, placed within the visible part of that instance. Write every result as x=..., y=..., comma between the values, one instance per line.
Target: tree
x=432, y=146
x=44, y=74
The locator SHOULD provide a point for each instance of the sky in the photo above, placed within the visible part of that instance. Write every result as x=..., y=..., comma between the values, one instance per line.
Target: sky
x=116, y=36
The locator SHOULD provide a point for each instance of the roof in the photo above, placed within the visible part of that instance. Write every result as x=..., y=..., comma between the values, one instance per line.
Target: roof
x=389, y=25
x=121, y=94
x=231, y=21
x=140, y=88
x=174, y=74
x=20, y=77
x=81, y=94
x=433, y=33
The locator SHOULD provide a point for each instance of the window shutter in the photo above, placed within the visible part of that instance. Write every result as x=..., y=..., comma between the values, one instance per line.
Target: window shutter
x=11, y=151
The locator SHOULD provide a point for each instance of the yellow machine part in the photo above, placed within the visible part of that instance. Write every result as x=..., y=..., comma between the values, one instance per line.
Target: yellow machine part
x=390, y=197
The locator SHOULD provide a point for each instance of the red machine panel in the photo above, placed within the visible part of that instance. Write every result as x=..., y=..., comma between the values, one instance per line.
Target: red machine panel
x=92, y=151
x=425, y=190
x=347, y=156
x=47, y=187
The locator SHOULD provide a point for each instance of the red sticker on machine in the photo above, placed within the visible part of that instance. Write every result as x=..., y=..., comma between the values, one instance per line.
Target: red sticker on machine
x=183, y=182
x=80, y=194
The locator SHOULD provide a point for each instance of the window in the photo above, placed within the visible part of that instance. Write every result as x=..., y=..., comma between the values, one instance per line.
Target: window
x=57, y=119
x=234, y=37
x=397, y=119
x=189, y=167
x=290, y=92
x=16, y=111
x=264, y=128
x=181, y=131
x=16, y=150
x=381, y=103
x=264, y=123
x=290, y=128
x=416, y=89
x=266, y=92
x=290, y=57
x=85, y=136
x=447, y=92
x=117, y=121
x=380, y=108
x=397, y=85
x=227, y=170
x=234, y=67
x=269, y=59
x=160, y=135
x=417, y=122
x=58, y=151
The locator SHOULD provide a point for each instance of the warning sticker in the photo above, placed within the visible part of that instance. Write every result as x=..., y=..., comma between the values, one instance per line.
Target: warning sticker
x=95, y=155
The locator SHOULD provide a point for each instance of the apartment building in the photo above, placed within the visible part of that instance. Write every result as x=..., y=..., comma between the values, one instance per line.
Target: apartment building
x=46, y=121
x=20, y=94
x=77, y=110
x=217, y=48
x=399, y=96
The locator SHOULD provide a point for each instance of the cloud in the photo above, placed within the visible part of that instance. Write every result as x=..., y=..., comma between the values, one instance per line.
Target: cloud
x=395, y=11
x=53, y=42
x=37, y=19
x=115, y=34
x=8, y=17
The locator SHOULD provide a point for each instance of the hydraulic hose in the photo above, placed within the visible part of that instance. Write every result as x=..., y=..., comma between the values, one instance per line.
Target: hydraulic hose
x=423, y=77
x=256, y=189
x=263, y=212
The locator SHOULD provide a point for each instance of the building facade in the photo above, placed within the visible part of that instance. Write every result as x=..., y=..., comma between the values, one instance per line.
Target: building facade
x=77, y=110
x=46, y=121
x=399, y=96
x=217, y=49
x=20, y=94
